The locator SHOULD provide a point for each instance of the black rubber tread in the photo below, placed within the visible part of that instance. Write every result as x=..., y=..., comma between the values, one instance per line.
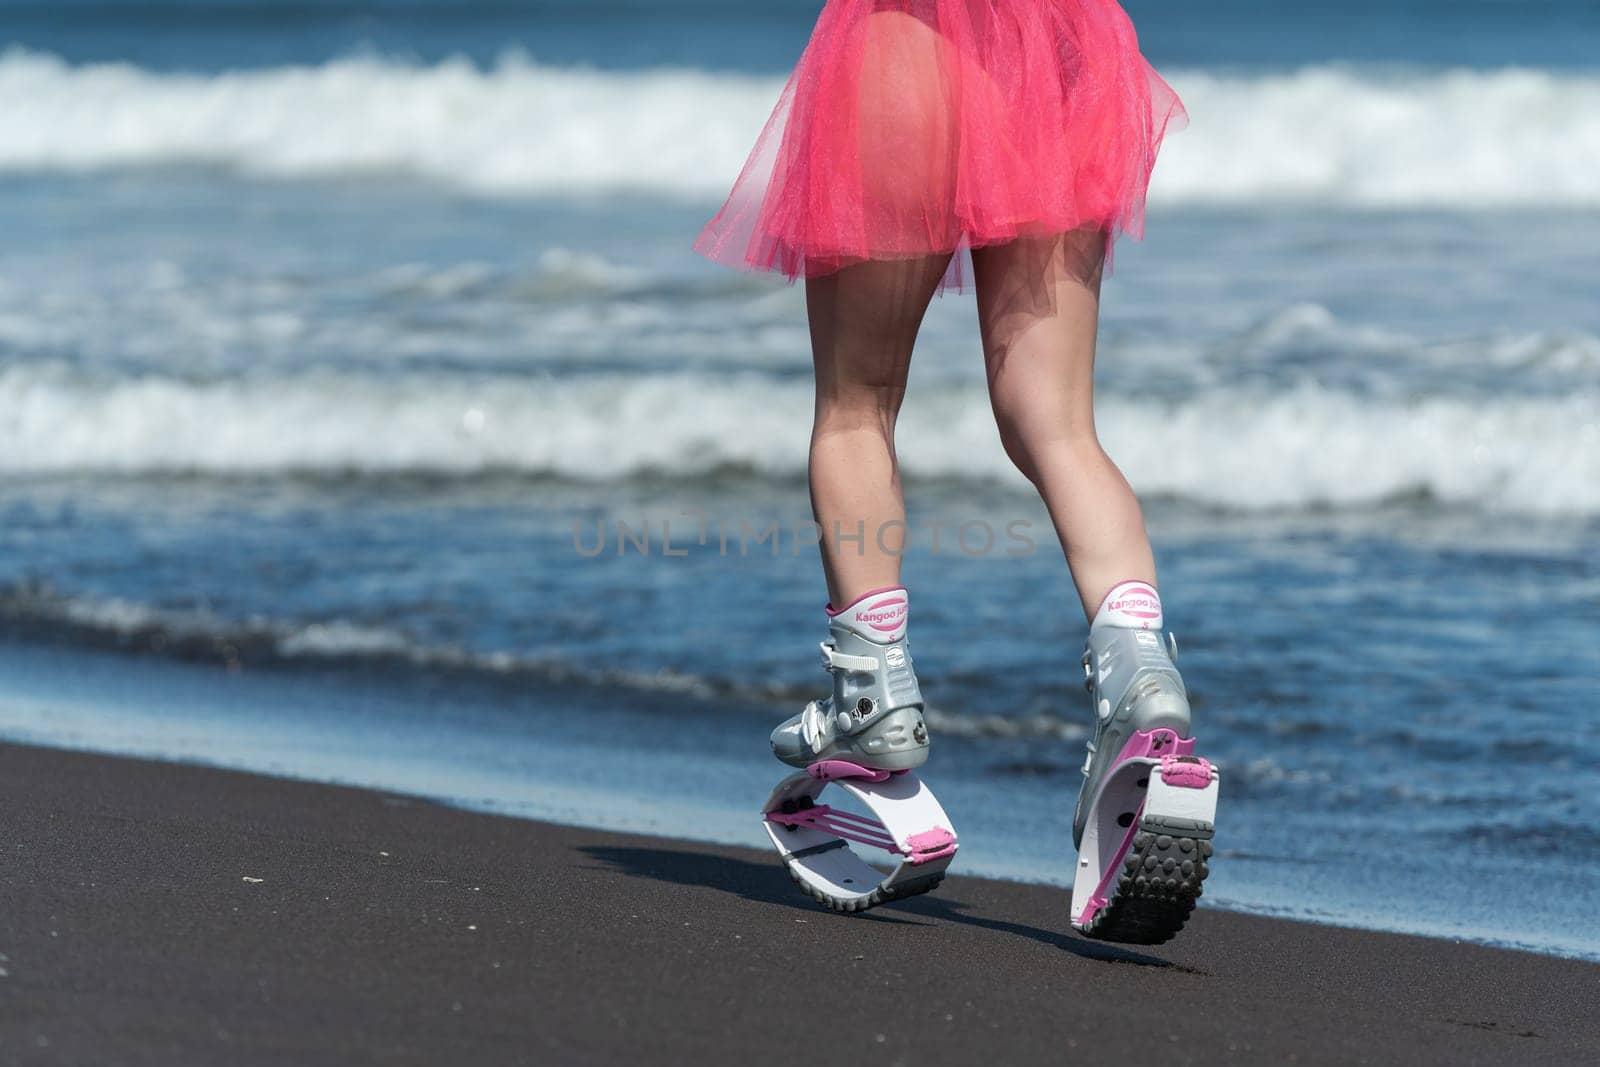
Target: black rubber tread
x=1156, y=891
x=879, y=895
x=907, y=890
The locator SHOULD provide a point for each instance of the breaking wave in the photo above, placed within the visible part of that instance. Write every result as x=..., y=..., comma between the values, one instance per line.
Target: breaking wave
x=1236, y=446
x=1327, y=134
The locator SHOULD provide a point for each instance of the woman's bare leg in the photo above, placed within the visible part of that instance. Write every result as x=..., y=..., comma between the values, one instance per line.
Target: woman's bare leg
x=864, y=322
x=1038, y=308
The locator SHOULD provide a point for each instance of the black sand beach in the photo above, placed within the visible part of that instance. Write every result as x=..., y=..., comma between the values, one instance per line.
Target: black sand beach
x=156, y=913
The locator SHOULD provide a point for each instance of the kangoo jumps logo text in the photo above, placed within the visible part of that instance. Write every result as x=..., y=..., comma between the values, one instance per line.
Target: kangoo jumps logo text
x=1140, y=601
x=886, y=616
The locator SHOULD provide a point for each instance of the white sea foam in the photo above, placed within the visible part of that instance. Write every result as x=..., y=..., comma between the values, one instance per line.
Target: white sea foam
x=1324, y=134
x=1329, y=135
x=1237, y=446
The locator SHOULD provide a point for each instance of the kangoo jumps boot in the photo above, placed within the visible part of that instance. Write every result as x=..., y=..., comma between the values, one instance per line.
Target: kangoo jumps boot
x=874, y=716
x=1146, y=817
x=1132, y=681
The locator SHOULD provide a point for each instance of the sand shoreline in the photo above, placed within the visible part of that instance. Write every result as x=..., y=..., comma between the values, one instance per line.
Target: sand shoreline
x=158, y=913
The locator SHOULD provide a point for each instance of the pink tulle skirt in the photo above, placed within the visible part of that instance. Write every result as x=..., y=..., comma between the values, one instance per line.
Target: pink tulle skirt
x=919, y=127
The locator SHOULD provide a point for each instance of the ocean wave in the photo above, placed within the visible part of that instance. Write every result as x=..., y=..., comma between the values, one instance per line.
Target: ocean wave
x=1330, y=135
x=1327, y=135
x=38, y=612
x=1239, y=446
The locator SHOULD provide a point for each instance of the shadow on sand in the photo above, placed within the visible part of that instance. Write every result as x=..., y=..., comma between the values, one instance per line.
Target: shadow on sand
x=766, y=883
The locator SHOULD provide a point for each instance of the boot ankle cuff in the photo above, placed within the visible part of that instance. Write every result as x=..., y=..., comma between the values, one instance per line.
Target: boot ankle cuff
x=879, y=616
x=1131, y=605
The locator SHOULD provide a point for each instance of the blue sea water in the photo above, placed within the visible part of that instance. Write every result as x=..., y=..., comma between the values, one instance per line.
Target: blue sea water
x=335, y=336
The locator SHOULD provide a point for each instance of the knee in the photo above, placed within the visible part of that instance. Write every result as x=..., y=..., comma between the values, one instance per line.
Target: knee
x=1017, y=451
x=1038, y=446
x=872, y=409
